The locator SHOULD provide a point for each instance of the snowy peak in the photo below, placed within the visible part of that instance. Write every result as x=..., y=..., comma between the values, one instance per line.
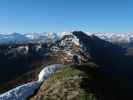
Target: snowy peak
x=12, y=38
x=110, y=37
x=122, y=39
x=65, y=33
x=118, y=38
x=19, y=38
x=115, y=37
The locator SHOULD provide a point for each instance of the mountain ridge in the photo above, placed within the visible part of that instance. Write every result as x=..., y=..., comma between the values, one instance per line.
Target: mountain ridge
x=79, y=48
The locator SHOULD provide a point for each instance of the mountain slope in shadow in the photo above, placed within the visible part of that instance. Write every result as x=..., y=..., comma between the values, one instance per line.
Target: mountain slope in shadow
x=15, y=62
x=116, y=67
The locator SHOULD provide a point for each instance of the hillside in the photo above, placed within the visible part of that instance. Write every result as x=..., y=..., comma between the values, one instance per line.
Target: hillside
x=66, y=84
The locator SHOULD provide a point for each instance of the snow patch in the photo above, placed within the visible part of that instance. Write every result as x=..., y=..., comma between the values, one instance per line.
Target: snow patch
x=46, y=72
x=65, y=33
x=21, y=92
x=24, y=91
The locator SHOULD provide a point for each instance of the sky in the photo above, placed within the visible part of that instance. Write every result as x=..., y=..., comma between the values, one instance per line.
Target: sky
x=66, y=15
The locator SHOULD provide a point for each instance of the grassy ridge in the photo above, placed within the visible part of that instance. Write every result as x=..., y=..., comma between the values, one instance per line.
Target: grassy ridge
x=65, y=84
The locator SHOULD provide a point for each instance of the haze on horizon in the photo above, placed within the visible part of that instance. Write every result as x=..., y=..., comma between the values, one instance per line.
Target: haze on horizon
x=66, y=15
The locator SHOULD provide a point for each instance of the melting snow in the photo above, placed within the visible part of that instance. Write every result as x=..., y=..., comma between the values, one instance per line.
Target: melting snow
x=46, y=72
x=24, y=91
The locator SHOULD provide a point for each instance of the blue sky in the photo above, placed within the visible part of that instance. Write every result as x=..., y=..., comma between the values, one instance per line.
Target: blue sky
x=66, y=15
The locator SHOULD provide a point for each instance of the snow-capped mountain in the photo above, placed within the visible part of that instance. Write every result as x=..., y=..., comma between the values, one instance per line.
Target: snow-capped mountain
x=111, y=37
x=44, y=37
x=12, y=38
x=120, y=38
x=19, y=38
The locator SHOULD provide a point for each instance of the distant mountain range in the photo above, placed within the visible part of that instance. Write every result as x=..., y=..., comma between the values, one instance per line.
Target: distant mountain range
x=42, y=37
x=19, y=38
